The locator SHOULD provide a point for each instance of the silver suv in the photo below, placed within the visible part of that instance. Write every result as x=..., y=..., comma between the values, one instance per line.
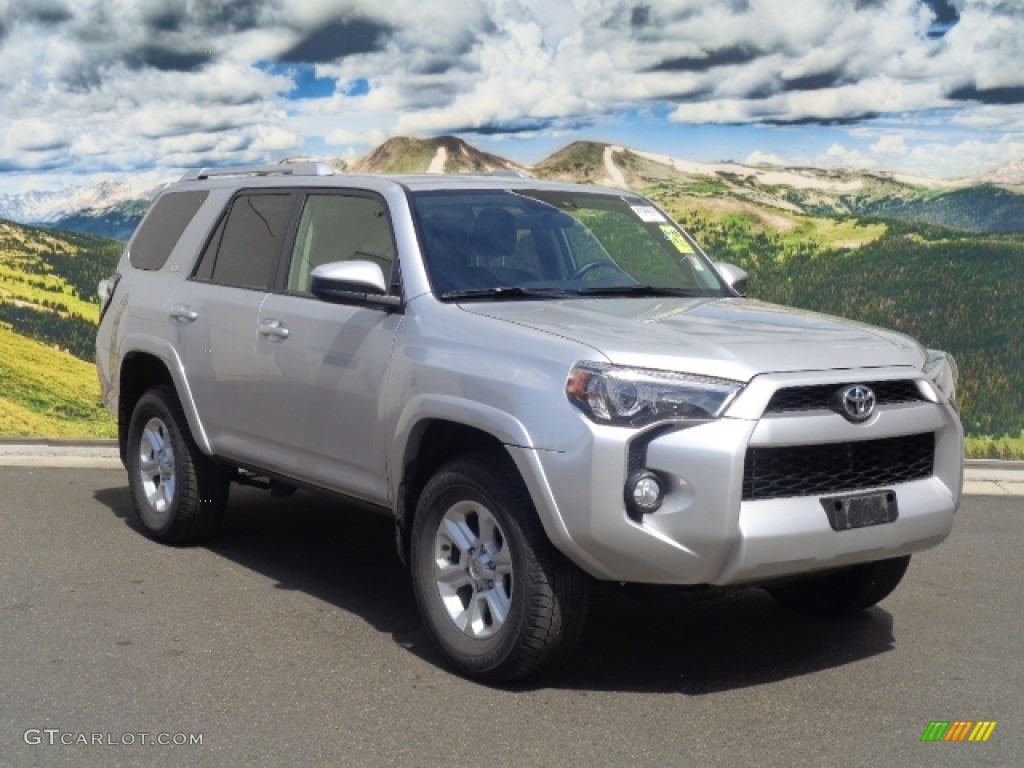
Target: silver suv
x=543, y=384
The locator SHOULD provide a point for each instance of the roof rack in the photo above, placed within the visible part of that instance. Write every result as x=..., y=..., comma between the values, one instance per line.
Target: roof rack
x=283, y=169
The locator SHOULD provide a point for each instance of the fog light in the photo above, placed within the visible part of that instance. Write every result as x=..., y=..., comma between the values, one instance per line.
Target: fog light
x=643, y=492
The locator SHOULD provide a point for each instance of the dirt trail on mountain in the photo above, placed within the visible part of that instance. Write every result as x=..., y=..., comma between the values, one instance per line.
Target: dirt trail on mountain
x=615, y=176
x=440, y=158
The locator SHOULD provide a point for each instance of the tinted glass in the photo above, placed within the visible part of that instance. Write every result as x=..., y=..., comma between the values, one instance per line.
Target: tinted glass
x=568, y=243
x=162, y=229
x=340, y=228
x=251, y=240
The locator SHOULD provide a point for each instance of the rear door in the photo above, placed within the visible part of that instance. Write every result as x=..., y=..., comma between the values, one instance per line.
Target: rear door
x=320, y=367
x=219, y=318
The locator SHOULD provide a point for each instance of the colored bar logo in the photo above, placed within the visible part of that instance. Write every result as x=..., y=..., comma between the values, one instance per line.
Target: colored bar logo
x=958, y=730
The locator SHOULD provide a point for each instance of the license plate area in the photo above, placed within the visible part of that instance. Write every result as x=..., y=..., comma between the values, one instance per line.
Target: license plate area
x=861, y=510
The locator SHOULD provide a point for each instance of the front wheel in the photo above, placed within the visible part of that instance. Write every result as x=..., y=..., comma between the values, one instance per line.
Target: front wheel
x=846, y=591
x=496, y=597
x=178, y=493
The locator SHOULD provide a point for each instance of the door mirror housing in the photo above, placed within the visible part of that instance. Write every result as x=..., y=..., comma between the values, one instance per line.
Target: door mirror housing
x=733, y=275
x=351, y=282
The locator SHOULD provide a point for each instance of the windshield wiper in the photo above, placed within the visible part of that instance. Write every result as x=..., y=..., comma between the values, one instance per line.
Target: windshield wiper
x=507, y=292
x=638, y=290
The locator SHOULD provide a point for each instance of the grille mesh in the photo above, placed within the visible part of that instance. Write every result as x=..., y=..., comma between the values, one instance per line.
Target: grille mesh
x=815, y=470
x=816, y=397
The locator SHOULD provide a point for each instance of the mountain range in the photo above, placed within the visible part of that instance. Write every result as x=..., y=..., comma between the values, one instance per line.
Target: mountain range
x=50, y=207
x=992, y=202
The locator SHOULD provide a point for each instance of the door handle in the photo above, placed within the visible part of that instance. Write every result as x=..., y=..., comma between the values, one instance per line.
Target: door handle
x=273, y=329
x=183, y=313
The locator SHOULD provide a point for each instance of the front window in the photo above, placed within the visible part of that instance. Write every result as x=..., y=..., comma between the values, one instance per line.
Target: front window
x=536, y=243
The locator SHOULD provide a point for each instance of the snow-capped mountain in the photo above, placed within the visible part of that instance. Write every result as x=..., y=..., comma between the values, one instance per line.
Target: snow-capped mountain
x=48, y=207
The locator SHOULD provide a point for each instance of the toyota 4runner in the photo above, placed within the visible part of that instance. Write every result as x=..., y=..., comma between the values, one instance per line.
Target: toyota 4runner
x=543, y=384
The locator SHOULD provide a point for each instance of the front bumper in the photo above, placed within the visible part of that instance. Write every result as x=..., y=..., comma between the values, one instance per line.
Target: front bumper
x=705, y=532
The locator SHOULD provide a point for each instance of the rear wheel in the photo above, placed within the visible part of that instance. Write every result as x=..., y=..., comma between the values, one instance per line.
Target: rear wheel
x=498, y=599
x=846, y=591
x=178, y=493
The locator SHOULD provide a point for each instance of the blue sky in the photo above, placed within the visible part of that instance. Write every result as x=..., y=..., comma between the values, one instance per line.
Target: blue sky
x=137, y=90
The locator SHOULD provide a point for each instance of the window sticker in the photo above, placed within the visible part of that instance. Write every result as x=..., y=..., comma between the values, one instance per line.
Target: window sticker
x=675, y=237
x=648, y=213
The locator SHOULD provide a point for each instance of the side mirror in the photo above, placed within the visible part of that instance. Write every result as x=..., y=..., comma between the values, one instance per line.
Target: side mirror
x=733, y=275
x=351, y=282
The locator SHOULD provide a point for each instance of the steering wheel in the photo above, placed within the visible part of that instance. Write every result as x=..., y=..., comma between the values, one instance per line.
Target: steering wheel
x=600, y=264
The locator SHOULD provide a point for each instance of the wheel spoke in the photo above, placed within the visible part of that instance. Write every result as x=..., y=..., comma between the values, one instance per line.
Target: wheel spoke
x=460, y=614
x=149, y=465
x=451, y=577
x=498, y=602
x=154, y=437
x=478, y=626
x=502, y=561
x=490, y=533
x=460, y=534
x=167, y=487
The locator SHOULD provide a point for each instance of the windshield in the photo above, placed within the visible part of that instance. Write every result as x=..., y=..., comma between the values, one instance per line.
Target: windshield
x=537, y=244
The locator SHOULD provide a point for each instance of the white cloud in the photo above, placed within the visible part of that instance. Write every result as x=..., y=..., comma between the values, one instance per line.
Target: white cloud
x=140, y=84
x=272, y=138
x=32, y=134
x=839, y=156
x=890, y=144
x=757, y=157
x=341, y=137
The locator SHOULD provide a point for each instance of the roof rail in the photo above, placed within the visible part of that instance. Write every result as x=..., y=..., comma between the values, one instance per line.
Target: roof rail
x=282, y=169
x=511, y=173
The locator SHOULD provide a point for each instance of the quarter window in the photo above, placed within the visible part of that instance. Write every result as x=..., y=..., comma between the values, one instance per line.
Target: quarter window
x=163, y=227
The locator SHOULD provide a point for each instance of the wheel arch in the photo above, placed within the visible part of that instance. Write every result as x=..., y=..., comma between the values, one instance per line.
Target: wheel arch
x=147, y=365
x=431, y=443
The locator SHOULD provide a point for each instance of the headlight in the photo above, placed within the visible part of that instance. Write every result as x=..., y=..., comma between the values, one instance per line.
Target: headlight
x=636, y=397
x=941, y=370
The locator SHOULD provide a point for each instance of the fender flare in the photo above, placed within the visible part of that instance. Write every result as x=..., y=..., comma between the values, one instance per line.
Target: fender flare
x=164, y=351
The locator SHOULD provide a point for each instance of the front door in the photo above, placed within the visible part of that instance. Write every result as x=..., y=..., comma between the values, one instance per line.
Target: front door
x=320, y=368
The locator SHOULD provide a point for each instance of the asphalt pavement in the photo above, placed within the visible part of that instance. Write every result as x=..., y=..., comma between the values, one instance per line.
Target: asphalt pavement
x=291, y=639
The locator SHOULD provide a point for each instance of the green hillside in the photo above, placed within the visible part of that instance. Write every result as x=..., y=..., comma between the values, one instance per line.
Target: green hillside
x=949, y=289
x=47, y=392
x=117, y=222
x=48, y=284
x=984, y=208
x=48, y=314
x=581, y=162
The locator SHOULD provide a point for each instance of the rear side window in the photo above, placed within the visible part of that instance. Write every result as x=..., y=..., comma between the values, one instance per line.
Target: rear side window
x=162, y=228
x=244, y=247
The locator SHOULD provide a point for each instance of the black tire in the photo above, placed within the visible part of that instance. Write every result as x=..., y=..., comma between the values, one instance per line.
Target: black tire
x=515, y=569
x=178, y=493
x=846, y=591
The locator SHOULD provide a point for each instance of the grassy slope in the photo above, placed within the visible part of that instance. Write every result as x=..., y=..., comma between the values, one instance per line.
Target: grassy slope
x=48, y=392
x=47, y=282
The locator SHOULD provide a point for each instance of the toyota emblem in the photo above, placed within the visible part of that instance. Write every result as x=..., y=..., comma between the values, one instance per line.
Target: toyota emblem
x=856, y=403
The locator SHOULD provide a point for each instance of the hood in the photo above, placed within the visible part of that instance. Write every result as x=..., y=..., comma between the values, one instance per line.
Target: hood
x=730, y=338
